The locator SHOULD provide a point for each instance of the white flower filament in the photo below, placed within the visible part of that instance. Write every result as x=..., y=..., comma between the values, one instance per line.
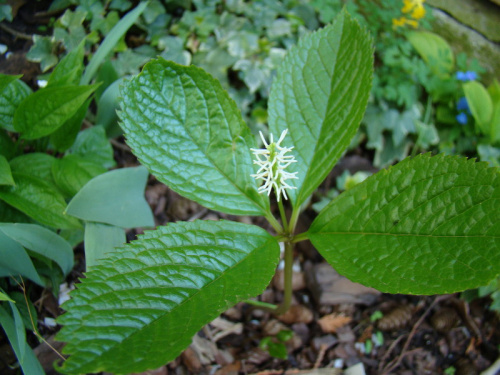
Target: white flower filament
x=273, y=162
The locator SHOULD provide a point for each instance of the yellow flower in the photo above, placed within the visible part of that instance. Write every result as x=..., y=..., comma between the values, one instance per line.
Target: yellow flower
x=416, y=7
x=401, y=22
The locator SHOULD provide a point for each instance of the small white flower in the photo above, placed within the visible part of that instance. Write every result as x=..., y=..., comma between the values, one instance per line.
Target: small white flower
x=273, y=162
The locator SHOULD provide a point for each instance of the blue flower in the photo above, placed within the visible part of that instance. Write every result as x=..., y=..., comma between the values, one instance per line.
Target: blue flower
x=462, y=104
x=467, y=76
x=462, y=118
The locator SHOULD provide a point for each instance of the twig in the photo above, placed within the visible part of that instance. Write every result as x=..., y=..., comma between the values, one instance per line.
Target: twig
x=389, y=351
x=322, y=350
x=120, y=145
x=397, y=361
x=16, y=33
x=35, y=330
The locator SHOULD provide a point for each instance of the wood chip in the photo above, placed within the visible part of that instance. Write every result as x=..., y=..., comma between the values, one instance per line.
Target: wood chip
x=330, y=288
x=332, y=322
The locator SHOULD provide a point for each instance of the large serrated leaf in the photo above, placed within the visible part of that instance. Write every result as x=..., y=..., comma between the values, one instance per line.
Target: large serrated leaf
x=429, y=225
x=183, y=126
x=320, y=94
x=150, y=297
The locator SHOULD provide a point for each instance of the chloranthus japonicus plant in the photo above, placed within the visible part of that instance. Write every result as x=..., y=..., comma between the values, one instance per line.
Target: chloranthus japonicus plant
x=427, y=225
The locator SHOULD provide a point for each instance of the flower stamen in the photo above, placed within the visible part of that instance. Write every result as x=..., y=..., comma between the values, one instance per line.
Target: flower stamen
x=273, y=162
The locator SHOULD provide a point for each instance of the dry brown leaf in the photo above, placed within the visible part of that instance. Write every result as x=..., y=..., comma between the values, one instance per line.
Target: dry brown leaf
x=297, y=314
x=330, y=323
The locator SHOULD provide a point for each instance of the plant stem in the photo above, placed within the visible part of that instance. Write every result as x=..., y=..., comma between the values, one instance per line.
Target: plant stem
x=263, y=305
x=283, y=216
x=293, y=219
x=274, y=223
x=300, y=237
x=287, y=298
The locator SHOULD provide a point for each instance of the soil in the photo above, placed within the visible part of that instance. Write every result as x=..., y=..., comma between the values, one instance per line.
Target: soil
x=330, y=318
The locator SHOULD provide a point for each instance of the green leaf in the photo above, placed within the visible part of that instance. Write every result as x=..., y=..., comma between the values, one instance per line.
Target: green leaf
x=30, y=364
x=70, y=68
x=107, y=107
x=5, y=12
x=47, y=109
x=39, y=200
x=489, y=154
x=428, y=225
x=427, y=135
x=15, y=261
x=480, y=104
x=36, y=164
x=72, y=172
x=110, y=41
x=166, y=286
x=20, y=339
x=116, y=198
x=5, y=172
x=92, y=144
x=183, y=126
x=320, y=94
x=64, y=137
x=5, y=297
x=25, y=307
x=435, y=51
x=100, y=241
x=9, y=214
x=5, y=80
x=10, y=98
x=7, y=146
x=41, y=241
x=106, y=76
x=494, y=91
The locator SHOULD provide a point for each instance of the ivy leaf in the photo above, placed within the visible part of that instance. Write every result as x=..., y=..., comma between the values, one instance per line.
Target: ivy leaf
x=183, y=126
x=46, y=110
x=39, y=200
x=43, y=52
x=320, y=94
x=166, y=286
x=428, y=225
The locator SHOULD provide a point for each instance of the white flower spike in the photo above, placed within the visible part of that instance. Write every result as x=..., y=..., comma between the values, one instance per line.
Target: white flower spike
x=273, y=162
